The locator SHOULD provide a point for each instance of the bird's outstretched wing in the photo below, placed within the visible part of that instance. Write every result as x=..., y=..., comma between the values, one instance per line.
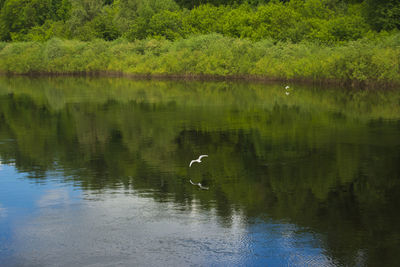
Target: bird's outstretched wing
x=197, y=160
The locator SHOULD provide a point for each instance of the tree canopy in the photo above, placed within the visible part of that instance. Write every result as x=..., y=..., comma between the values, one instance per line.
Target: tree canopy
x=324, y=21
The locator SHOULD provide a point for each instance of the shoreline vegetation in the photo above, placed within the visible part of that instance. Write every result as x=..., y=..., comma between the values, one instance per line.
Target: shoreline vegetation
x=349, y=42
x=358, y=63
x=331, y=83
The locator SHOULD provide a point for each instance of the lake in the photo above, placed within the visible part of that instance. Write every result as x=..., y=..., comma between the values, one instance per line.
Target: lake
x=95, y=172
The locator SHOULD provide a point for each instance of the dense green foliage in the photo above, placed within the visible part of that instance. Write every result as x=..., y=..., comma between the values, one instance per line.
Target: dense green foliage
x=324, y=21
x=298, y=39
x=364, y=60
x=323, y=159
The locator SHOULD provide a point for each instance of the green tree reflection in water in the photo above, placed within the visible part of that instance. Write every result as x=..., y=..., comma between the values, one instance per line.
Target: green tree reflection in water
x=323, y=159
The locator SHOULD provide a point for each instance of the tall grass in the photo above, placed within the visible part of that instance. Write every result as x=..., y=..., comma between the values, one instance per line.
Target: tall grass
x=362, y=61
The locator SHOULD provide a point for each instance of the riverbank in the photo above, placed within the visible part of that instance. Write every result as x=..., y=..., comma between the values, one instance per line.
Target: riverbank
x=358, y=63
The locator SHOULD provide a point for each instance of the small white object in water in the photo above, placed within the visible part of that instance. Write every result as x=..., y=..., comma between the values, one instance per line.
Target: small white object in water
x=287, y=87
x=199, y=185
x=197, y=160
x=287, y=93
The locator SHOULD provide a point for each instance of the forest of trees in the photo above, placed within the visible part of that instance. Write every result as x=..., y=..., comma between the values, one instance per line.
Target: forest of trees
x=323, y=21
x=350, y=42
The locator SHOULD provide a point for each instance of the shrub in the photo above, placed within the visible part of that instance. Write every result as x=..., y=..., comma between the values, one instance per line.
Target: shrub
x=373, y=59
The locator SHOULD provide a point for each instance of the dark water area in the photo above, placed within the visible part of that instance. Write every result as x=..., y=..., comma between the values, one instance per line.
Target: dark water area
x=95, y=172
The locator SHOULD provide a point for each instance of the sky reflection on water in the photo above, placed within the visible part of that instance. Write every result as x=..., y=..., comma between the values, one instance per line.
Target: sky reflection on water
x=53, y=224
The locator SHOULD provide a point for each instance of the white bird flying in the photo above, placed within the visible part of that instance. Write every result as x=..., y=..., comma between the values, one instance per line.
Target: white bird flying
x=287, y=93
x=287, y=87
x=197, y=160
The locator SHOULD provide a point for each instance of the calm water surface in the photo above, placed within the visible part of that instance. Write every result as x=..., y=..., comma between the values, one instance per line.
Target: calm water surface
x=94, y=172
